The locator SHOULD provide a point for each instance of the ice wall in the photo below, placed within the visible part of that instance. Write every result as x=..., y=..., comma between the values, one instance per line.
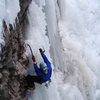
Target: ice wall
x=52, y=31
x=36, y=37
x=70, y=24
x=79, y=31
x=69, y=27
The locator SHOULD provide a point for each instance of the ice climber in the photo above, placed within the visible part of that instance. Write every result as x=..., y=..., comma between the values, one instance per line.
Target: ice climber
x=43, y=72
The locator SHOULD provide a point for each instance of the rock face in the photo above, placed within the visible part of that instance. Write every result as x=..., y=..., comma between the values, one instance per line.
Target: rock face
x=12, y=59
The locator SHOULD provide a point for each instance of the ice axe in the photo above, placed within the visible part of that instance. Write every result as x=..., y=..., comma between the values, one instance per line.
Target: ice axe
x=30, y=50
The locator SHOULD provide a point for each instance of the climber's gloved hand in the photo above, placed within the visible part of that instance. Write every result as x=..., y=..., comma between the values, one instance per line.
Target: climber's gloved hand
x=34, y=60
x=41, y=51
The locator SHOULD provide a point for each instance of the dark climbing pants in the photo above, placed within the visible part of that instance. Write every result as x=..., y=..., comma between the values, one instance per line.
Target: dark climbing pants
x=31, y=79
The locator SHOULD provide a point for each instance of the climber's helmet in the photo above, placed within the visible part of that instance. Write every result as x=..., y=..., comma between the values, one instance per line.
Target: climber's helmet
x=44, y=68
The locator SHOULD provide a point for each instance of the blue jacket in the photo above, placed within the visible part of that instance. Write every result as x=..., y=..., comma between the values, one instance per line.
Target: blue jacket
x=40, y=73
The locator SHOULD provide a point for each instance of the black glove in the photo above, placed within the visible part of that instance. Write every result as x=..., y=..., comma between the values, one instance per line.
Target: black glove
x=41, y=51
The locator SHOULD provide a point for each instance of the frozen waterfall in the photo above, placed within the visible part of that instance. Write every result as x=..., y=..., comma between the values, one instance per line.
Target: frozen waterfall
x=69, y=32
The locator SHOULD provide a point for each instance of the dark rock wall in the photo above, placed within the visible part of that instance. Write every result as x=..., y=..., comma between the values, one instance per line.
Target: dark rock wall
x=12, y=59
